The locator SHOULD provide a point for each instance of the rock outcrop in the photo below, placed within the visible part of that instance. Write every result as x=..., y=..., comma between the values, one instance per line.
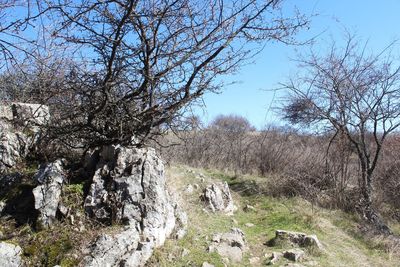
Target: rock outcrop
x=19, y=130
x=129, y=187
x=47, y=195
x=231, y=245
x=218, y=198
x=10, y=255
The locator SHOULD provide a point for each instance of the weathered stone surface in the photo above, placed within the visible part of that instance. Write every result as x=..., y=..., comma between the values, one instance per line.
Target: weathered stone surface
x=47, y=195
x=19, y=131
x=116, y=250
x=30, y=115
x=206, y=264
x=275, y=257
x=10, y=255
x=294, y=254
x=300, y=239
x=13, y=147
x=218, y=198
x=129, y=187
x=231, y=245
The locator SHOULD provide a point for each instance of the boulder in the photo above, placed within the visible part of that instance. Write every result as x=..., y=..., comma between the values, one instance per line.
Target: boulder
x=231, y=245
x=10, y=255
x=218, y=198
x=129, y=187
x=294, y=254
x=296, y=238
x=47, y=194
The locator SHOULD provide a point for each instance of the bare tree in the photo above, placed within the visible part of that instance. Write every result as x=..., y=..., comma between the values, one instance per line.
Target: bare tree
x=137, y=63
x=356, y=94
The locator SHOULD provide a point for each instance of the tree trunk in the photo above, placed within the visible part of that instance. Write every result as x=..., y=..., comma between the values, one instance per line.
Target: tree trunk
x=366, y=209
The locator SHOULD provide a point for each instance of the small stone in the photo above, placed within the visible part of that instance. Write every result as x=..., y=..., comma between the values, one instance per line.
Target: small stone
x=180, y=234
x=234, y=221
x=189, y=189
x=294, y=254
x=206, y=264
x=249, y=208
x=196, y=186
x=185, y=252
x=63, y=209
x=249, y=225
x=275, y=257
x=72, y=219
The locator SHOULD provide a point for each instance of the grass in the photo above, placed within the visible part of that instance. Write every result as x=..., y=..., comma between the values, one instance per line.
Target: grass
x=338, y=231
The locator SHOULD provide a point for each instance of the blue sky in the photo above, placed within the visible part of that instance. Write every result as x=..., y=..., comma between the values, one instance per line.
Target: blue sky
x=377, y=22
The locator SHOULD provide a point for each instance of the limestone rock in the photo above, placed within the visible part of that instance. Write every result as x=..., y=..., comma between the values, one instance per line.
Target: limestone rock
x=19, y=130
x=10, y=255
x=30, y=115
x=13, y=146
x=275, y=257
x=231, y=245
x=294, y=254
x=249, y=225
x=129, y=187
x=218, y=198
x=300, y=239
x=206, y=264
x=47, y=195
x=121, y=248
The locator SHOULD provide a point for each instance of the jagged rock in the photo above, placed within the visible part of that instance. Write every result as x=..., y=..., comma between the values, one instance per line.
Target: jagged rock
x=206, y=264
x=19, y=130
x=275, y=257
x=47, y=195
x=294, y=254
x=13, y=147
x=10, y=255
x=218, y=198
x=300, y=239
x=30, y=115
x=116, y=250
x=129, y=187
x=231, y=245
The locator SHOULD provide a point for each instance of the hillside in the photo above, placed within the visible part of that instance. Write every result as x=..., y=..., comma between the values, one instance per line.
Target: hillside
x=339, y=232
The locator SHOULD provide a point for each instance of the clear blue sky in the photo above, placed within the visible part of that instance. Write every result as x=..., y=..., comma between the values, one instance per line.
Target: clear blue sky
x=377, y=22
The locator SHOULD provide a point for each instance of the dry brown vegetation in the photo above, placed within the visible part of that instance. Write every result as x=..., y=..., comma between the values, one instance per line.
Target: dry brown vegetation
x=320, y=168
